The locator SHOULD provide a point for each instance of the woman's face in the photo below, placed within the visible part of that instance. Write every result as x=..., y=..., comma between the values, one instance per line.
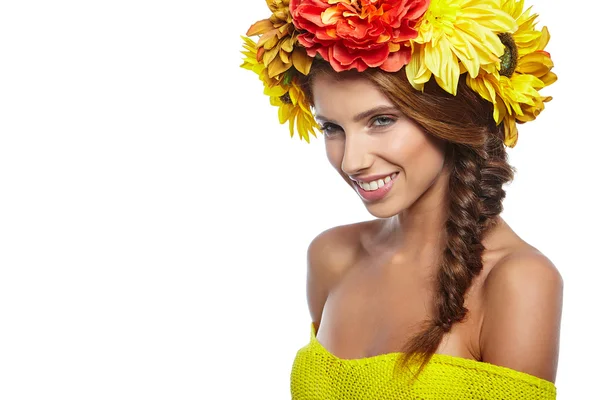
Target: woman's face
x=384, y=156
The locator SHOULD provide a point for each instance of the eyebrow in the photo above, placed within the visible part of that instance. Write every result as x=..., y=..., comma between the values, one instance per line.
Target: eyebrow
x=365, y=114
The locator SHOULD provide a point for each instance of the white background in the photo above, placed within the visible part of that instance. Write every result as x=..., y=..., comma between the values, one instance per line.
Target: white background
x=154, y=215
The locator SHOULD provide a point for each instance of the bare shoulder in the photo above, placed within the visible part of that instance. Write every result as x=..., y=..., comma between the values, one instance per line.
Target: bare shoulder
x=329, y=255
x=522, y=305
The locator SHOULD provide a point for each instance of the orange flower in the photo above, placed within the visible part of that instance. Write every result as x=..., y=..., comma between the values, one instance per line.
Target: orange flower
x=358, y=33
x=277, y=46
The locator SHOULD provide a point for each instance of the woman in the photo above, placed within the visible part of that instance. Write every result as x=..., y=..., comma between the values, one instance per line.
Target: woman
x=416, y=101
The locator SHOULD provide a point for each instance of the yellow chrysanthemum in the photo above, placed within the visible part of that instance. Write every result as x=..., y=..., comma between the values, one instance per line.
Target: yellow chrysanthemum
x=276, y=47
x=287, y=95
x=513, y=87
x=294, y=108
x=457, y=36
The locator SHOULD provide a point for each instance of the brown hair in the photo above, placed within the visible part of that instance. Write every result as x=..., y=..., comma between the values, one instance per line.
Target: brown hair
x=478, y=170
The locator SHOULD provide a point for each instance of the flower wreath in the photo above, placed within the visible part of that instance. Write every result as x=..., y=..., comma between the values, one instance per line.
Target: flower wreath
x=494, y=42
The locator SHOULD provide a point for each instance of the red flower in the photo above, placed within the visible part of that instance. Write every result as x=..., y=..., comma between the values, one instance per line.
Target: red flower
x=358, y=33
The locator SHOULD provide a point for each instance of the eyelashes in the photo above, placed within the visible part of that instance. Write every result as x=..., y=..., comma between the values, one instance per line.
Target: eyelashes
x=328, y=128
x=387, y=120
x=379, y=122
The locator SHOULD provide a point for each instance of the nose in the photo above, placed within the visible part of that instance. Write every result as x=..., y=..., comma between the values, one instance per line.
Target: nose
x=356, y=155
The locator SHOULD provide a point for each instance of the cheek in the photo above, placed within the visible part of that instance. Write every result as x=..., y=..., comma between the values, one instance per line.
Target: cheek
x=418, y=153
x=335, y=153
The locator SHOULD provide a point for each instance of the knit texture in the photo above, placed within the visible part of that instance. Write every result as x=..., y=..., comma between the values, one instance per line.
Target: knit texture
x=319, y=375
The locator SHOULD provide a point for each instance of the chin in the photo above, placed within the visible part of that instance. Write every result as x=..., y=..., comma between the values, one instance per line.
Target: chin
x=382, y=210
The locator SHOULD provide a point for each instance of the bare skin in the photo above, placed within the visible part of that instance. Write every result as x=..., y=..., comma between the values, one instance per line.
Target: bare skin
x=371, y=283
x=375, y=302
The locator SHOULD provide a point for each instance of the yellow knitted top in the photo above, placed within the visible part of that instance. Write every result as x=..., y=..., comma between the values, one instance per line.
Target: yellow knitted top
x=319, y=375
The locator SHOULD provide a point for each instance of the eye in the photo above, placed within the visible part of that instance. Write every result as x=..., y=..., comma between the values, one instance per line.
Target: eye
x=329, y=129
x=382, y=121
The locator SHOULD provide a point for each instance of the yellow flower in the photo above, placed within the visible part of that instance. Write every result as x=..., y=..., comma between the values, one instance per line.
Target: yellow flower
x=276, y=47
x=513, y=86
x=457, y=36
x=294, y=108
x=287, y=95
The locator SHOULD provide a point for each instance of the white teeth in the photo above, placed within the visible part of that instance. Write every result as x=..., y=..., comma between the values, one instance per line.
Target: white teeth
x=369, y=186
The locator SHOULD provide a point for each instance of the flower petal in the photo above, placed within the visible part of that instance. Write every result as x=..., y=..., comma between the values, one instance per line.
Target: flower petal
x=301, y=60
x=511, y=134
x=277, y=67
x=260, y=27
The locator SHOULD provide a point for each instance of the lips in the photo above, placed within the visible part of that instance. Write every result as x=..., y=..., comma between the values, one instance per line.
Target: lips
x=379, y=193
x=375, y=184
x=370, y=178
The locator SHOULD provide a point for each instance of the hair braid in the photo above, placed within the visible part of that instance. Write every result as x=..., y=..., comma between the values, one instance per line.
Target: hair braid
x=475, y=197
x=461, y=258
x=495, y=172
x=462, y=255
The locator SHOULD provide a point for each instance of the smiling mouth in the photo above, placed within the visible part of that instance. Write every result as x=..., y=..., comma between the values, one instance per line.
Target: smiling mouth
x=376, y=184
x=371, y=195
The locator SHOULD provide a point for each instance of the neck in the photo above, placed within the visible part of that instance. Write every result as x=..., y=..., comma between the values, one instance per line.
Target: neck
x=416, y=235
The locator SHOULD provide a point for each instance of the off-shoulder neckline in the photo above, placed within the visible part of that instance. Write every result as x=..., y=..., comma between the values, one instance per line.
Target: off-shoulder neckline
x=439, y=359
